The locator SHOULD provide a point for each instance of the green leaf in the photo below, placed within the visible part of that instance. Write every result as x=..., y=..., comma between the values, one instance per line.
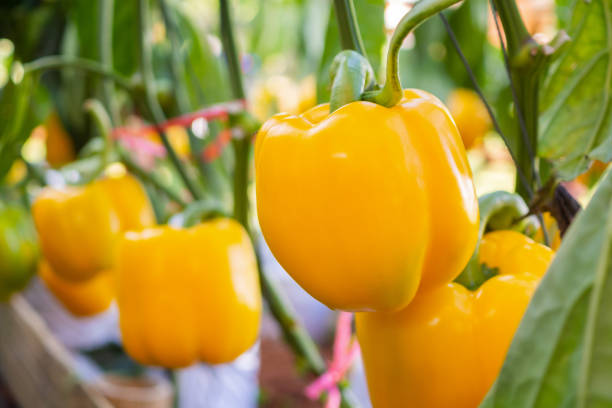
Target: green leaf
x=576, y=115
x=561, y=353
x=370, y=17
x=14, y=111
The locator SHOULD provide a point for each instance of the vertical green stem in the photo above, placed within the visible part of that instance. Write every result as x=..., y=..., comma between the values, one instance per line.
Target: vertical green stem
x=155, y=109
x=105, y=46
x=182, y=98
x=241, y=172
x=231, y=52
x=350, y=37
x=525, y=80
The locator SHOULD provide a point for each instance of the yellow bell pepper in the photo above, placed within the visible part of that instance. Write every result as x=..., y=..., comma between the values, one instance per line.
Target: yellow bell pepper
x=59, y=147
x=78, y=230
x=188, y=295
x=470, y=114
x=129, y=200
x=79, y=227
x=363, y=205
x=82, y=299
x=447, y=347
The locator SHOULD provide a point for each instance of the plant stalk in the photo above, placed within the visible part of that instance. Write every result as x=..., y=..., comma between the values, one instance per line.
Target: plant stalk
x=153, y=105
x=89, y=66
x=105, y=47
x=350, y=37
x=525, y=80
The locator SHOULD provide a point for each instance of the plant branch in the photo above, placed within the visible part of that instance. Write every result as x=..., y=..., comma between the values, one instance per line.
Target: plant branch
x=105, y=47
x=391, y=92
x=231, y=52
x=154, y=107
x=153, y=178
x=350, y=37
x=182, y=98
x=524, y=80
x=522, y=178
x=92, y=67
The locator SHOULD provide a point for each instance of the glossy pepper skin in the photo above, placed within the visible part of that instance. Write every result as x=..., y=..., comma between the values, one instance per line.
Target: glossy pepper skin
x=359, y=204
x=81, y=299
x=447, y=347
x=18, y=250
x=188, y=295
x=78, y=230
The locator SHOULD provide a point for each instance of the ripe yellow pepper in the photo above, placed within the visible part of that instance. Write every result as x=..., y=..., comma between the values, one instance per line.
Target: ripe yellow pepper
x=59, y=147
x=447, y=347
x=363, y=205
x=129, y=200
x=470, y=114
x=79, y=227
x=188, y=295
x=82, y=299
x=78, y=230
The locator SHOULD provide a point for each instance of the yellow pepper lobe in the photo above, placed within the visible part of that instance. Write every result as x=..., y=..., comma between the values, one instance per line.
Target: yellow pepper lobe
x=359, y=204
x=129, y=200
x=82, y=299
x=78, y=230
x=446, y=348
x=188, y=295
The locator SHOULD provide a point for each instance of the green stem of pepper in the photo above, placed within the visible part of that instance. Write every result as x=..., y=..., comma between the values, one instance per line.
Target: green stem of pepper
x=350, y=37
x=153, y=105
x=391, y=92
x=498, y=210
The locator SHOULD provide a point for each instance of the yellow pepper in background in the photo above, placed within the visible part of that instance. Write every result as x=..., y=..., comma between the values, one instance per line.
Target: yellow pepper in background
x=82, y=299
x=129, y=200
x=79, y=227
x=447, y=347
x=554, y=233
x=59, y=147
x=470, y=114
x=78, y=230
x=363, y=205
x=188, y=295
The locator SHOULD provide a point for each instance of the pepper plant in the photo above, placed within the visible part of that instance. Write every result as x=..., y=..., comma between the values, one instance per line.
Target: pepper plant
x=554, y=123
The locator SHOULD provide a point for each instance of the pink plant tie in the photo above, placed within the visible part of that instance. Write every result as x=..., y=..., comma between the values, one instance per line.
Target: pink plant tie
x=345, y=352
x=134, y=138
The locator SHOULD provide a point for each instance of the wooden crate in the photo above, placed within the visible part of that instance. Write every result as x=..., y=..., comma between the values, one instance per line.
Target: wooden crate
x=35, y=366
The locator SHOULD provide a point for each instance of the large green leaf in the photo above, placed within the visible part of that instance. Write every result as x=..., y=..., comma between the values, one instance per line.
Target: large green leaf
x=561, y=353
x=576, y=124
x=14, y=111
x=370, y=17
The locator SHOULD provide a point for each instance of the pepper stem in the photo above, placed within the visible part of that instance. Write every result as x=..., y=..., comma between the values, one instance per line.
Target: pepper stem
x=391, y=92
x=350, y=37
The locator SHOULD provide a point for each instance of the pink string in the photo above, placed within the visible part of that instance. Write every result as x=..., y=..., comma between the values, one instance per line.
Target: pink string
x=133, y=137
x=345, y=352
